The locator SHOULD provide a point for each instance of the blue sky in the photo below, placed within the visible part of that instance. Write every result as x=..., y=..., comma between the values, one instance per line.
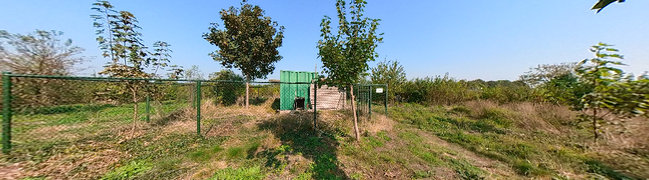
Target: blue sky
x=468, y=39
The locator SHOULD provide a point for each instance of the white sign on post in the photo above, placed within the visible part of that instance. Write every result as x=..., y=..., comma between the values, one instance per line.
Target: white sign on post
x=379, y=90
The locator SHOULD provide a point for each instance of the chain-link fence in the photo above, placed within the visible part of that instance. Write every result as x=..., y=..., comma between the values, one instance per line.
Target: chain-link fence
x=44, y=113
x=46, y=116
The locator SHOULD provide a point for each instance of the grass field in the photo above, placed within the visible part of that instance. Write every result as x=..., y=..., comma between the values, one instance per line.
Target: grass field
x=475, y=140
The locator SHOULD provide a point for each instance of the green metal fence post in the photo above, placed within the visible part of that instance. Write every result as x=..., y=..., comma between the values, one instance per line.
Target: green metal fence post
x=198, y=107
x=358, y=99
x=148, y=107
x=385, y=102
x=6, y=112
x=369, y=100
x=315, y=104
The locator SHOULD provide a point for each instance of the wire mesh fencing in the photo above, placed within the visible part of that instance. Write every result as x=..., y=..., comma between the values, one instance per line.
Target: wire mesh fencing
x=51, y=122
x=46, y=114
x=371, y=98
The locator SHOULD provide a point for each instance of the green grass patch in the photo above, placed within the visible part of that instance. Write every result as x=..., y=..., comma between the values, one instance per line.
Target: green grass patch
x=599, y=168
x=129, y=171
x=205, y=154
x=252, y=173
x=66, y=109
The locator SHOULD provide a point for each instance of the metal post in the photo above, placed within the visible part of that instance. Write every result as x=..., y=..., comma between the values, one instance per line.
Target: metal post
x=198, y=108
x=315, y=103
x=385, y=102
x=358, y=99
x=148, y=107
x=6, y=112
x=369, y=100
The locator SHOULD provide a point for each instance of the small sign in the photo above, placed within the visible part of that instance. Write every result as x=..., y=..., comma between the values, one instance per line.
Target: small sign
x=379, y=90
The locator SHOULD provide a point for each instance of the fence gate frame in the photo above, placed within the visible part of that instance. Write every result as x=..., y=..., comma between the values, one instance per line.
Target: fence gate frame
x=364, y=97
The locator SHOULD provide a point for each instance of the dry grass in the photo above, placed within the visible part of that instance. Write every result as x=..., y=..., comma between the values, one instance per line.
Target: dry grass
x=84, y=161
x=378, y=123
x=623, y=144
x=529, y=116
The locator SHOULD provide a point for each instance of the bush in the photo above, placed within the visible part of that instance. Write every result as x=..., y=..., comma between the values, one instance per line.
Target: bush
x=446, y=91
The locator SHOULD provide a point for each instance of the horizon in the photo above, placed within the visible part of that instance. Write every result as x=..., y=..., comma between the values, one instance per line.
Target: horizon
x=503, y=39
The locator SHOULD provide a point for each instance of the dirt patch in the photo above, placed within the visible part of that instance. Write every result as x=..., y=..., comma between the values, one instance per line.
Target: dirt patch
x=11, y=171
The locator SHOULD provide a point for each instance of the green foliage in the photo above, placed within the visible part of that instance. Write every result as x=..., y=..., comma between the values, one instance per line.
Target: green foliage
x=229, y=87
x=566, y=89
x=630, y=97
x=239, y=173
x=601, y=4
x=66, y=109
x=129, y=171
x=557, y=83
x=546, y=72
x=345, y=54
x=599, y=168
x=485, y=135
x=249, y=41
x=120, y=40
x=599, y=74
x=205, y=154
x=390, y=73
x=446, y=91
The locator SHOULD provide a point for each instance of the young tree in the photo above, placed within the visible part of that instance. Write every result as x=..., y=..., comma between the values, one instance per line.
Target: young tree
x=42, y=53
x=601, y=76
x=346, y=53
x=390, y=73
x=119, y=39
x=249, y=42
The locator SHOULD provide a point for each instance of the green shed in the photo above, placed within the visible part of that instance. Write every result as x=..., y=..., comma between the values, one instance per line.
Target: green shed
x=289, y=92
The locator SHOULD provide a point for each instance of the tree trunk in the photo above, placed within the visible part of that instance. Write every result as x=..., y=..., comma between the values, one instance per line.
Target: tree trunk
x=595, y=124
x=135, y=108
x=247, y=93
x=354, y=112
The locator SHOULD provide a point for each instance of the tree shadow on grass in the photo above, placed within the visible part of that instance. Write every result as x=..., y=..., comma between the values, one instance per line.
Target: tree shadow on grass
x=296, y=131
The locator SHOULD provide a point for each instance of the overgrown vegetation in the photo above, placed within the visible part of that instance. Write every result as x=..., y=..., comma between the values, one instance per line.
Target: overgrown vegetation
x=472, y=140
x=538, y=127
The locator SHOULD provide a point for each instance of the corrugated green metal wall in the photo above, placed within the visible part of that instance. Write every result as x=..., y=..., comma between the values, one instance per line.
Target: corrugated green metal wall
x=288, y=92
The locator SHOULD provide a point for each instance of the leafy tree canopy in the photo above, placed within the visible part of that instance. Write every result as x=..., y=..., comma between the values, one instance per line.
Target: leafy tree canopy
x=346, y=53
x=249, y=41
